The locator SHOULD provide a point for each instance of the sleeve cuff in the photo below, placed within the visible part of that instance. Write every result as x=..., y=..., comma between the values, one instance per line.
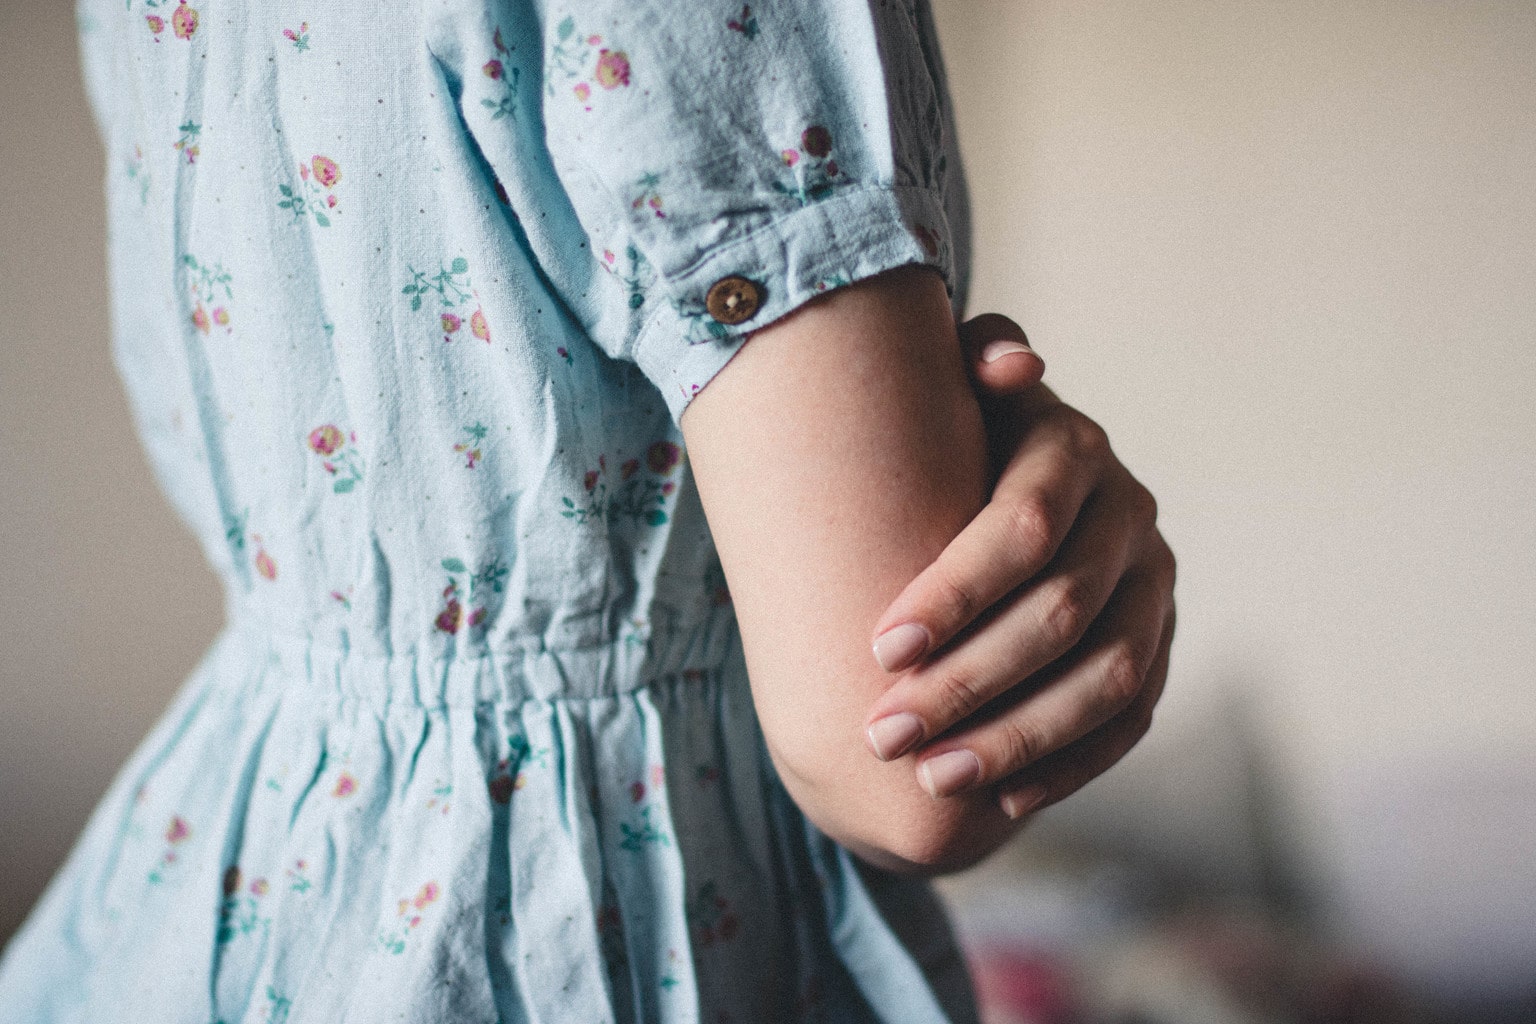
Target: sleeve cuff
x=850, y=235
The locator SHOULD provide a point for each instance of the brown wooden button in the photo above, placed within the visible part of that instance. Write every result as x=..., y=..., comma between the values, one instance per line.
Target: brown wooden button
x=733, y=300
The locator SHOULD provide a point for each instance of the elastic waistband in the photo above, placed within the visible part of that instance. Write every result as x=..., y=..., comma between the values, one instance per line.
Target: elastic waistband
x=510, y=673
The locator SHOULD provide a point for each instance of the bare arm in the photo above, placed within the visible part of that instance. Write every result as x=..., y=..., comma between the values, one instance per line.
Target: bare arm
x=837, y=455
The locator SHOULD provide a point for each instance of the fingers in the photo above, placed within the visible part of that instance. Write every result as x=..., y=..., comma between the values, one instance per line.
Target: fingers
x=1001, y=359
x=1074, y=697
x=1037, y=499
x=1058, y=776
x=1032, y=630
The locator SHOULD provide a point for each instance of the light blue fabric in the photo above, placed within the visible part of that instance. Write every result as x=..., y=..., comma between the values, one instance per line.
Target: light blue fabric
x=408, y=298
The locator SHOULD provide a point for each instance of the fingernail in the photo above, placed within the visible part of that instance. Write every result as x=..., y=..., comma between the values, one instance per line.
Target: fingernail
x=897, y=648
x=949, y=773
x=1020, y=802
x=997, y=349
x=894, y=735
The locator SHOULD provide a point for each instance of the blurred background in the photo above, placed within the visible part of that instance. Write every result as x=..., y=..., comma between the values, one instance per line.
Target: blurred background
x=1285, y=251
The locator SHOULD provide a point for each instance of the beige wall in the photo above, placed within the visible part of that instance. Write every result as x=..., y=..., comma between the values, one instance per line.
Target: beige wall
x=1285, y=251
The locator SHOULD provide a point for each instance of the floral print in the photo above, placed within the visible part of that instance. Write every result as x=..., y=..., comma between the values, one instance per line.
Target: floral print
x=314, y=196
x=636, y=273
x=176, y=833
x=502, y=102
x=711, y=916
x=636, y=496
x=745, y=23
x=408, y=917
x=816, y=173
x=186, y=142
x=478, y=588
x=584, y=58
x=648, y=200
x=239, y=913
x=212, y=288
x=490, y=641
x=138, y=173
x=470, y=446
x=450, y=284
x=338, y=458
x=184, y=20
x=298, y=877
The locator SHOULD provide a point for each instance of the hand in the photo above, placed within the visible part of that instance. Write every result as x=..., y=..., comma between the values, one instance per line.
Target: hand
x=1055, y=603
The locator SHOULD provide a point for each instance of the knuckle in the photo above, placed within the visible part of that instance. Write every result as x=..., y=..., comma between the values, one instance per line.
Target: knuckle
x=957, y=601
x=1087, y=438
x=957, y=695
x=1031, y=528
x=1021, y=744
x=1122, y=678
x=1143, y=504
x=1067, y=614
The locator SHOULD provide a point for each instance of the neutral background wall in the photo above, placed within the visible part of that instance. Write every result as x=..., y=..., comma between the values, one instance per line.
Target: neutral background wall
x=1284, y=251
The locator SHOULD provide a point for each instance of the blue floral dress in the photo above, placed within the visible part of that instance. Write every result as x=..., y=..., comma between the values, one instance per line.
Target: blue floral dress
x=408, y=298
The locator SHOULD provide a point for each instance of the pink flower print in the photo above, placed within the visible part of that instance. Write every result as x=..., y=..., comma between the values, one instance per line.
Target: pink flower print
x=612, y=69
x=326, y=171
x=744, y=23
x=628, y=469
x=636, y=792
x=304, y=172
x=325, y=440
x=346, y=785
x=428, y=893
x=221, y=316
x=184, y=21
x=831, y=168
x=594, y=40
x=156, y=25
x=590, y=480
x=658, y=776
x=299, y=38
x=266, y=568
x=496, y=41
x=450, y=617
x=479, y=327
x=791, y=157
x=177, y=830
x=259, y=887
x=451, y=325
x=493, y=69
x=661, y=457
x=476, y=617
x=330, y=201
x=561, y=351
x=501, y=788
x=582, y=91
x=816, y=141
x=608, y=256
x=200, y=318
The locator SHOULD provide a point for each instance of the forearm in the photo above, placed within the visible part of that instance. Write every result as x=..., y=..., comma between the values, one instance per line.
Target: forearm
x=836, y=456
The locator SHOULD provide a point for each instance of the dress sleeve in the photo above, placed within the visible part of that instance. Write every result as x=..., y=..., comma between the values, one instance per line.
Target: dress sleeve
x=724, y=163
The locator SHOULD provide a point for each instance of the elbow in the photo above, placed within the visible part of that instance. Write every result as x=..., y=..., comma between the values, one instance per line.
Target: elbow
x=893, y=824
x=954, y=834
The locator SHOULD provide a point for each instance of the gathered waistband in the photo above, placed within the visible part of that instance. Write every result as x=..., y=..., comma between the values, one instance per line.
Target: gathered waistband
x=507, y=673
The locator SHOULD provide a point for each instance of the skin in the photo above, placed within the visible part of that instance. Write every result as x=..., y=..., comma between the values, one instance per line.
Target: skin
x=1066, y=585
x=827, y=543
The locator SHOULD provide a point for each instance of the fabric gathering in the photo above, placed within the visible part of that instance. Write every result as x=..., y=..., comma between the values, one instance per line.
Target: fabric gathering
x=408, y=300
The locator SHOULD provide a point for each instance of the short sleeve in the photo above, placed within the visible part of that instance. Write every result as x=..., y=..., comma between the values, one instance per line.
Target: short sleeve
x=724, y=163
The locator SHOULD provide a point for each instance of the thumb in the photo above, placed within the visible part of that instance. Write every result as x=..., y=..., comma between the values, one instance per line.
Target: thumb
x=1000, y=358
